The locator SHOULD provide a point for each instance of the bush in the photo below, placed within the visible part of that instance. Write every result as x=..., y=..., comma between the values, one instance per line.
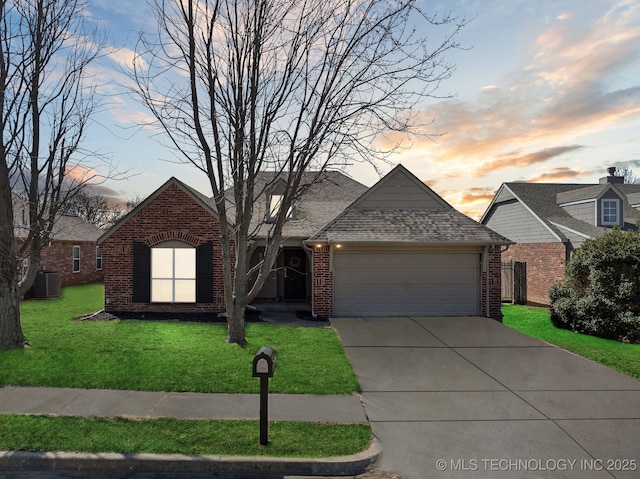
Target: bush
x=600, y=294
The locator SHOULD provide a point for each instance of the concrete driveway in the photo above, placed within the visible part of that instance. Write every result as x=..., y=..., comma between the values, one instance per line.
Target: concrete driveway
x=470, y=397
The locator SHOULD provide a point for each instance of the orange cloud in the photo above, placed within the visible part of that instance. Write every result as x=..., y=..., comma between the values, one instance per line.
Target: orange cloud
x=548, y=109
x=558, y=175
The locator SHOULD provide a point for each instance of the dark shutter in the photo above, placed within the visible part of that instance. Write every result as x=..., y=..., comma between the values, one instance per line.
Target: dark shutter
x=204, y=273
x=141, y=273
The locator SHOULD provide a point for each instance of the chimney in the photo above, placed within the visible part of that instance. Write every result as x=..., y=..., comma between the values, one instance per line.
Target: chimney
x=612, y=178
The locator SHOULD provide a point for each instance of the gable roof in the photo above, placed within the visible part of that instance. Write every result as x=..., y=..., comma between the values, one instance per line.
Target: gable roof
x=325, y=194
x=66, y=227
x=402, y=209
x=543, y=201
x=198, y=197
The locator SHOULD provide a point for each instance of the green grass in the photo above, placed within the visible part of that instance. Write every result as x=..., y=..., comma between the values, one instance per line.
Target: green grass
x=170, y=356
x=166, y=356
x=536, y=322
x=171, y=436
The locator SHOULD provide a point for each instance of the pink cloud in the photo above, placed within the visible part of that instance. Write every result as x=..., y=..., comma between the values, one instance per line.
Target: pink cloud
x=547, y=109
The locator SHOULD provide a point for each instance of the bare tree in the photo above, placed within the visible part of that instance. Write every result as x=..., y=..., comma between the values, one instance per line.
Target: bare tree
x=288, y=86
x=97, y=209
x=45, y=49
x=626, y=173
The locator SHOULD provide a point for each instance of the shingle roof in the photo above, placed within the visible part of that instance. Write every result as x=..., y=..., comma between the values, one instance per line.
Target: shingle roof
x=66, y=227
x=580, y=194
x=327, y=194
x=438, y=223
x=542, y=199
x=444, y=226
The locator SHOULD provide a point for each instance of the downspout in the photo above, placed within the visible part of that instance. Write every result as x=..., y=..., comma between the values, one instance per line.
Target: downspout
x=487, y=280
x=313, y=289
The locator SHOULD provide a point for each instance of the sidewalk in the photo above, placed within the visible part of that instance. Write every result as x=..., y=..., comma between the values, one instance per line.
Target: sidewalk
x=144, y=404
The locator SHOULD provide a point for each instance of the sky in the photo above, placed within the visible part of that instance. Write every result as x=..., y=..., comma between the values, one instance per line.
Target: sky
x=543, y=91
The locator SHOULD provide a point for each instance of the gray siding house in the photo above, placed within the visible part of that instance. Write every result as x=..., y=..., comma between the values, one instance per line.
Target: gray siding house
x=548, y=221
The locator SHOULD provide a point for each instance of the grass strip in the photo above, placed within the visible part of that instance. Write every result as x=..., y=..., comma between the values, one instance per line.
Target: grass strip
x=173, y=436
x=165, y=355
x=536, y=322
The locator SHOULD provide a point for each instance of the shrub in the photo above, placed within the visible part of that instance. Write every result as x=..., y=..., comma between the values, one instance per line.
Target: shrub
x=600, y=294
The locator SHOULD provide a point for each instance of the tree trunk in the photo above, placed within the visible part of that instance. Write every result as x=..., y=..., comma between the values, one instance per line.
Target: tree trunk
x=11, y=335
x=10, y=329
x=235, y=324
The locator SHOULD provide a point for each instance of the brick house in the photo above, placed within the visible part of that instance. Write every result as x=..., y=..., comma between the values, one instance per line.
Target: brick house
x=72, y=251
x=548, y=221
x=396, y=248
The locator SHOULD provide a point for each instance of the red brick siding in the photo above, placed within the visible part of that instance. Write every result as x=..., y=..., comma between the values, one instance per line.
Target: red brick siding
x=322, y=281
x=545, y=266
x=58, y=256
x=495, y=284
x=172, y=215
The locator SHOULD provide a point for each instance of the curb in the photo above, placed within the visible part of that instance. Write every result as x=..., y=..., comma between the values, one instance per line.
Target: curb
x=125, y=464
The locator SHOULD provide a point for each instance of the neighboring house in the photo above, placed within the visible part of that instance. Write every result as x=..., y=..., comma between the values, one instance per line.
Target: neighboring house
x=396, y=248
x=72, y=251
x=548, y=221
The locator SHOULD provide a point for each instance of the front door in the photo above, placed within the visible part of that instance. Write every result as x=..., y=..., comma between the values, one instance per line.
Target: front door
x=295, y=274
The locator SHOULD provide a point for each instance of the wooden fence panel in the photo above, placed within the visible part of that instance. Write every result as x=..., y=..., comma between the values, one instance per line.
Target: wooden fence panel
x=507, y=281
x=520, y=283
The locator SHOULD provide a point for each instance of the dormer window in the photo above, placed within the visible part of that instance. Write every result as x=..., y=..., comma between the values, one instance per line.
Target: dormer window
x=610, y=212
x=274, y=206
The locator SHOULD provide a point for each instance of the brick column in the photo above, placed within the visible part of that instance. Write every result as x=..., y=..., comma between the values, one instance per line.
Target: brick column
x=322, y=281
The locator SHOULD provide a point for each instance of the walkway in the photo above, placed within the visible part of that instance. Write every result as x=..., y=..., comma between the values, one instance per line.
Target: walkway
x=143, y=404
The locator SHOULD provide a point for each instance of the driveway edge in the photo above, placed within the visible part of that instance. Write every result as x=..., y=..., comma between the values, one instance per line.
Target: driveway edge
x=113, y=463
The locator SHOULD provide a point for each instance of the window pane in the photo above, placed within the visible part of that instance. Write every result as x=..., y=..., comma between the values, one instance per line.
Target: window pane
x=162, y=263
x=185, y=291
x=274, y=205
x=162, y=290
x=610, y=211
x=185, y=263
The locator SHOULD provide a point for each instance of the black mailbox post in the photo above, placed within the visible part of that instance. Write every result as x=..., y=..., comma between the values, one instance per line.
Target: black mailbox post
x=264, y=364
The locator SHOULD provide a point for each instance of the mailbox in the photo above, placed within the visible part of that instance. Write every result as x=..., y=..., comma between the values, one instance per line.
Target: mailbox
x=264, y=363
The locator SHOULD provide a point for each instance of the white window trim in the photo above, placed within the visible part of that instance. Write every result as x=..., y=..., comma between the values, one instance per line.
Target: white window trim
x=98, y=258
x=74, y=259
x=173, y=278
x=602, y=214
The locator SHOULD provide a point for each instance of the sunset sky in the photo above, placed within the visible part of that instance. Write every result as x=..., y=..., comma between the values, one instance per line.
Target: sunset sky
x=545, y=91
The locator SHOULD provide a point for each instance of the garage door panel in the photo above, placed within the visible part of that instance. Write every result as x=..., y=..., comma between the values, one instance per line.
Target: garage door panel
x=414, y=283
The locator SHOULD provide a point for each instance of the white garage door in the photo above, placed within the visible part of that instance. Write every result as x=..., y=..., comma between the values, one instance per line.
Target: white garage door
x=406, y=282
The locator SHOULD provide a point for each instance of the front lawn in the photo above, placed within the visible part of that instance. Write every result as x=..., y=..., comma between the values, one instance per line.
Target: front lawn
x=536, y=322
x=165, y=356
x=172, y=436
